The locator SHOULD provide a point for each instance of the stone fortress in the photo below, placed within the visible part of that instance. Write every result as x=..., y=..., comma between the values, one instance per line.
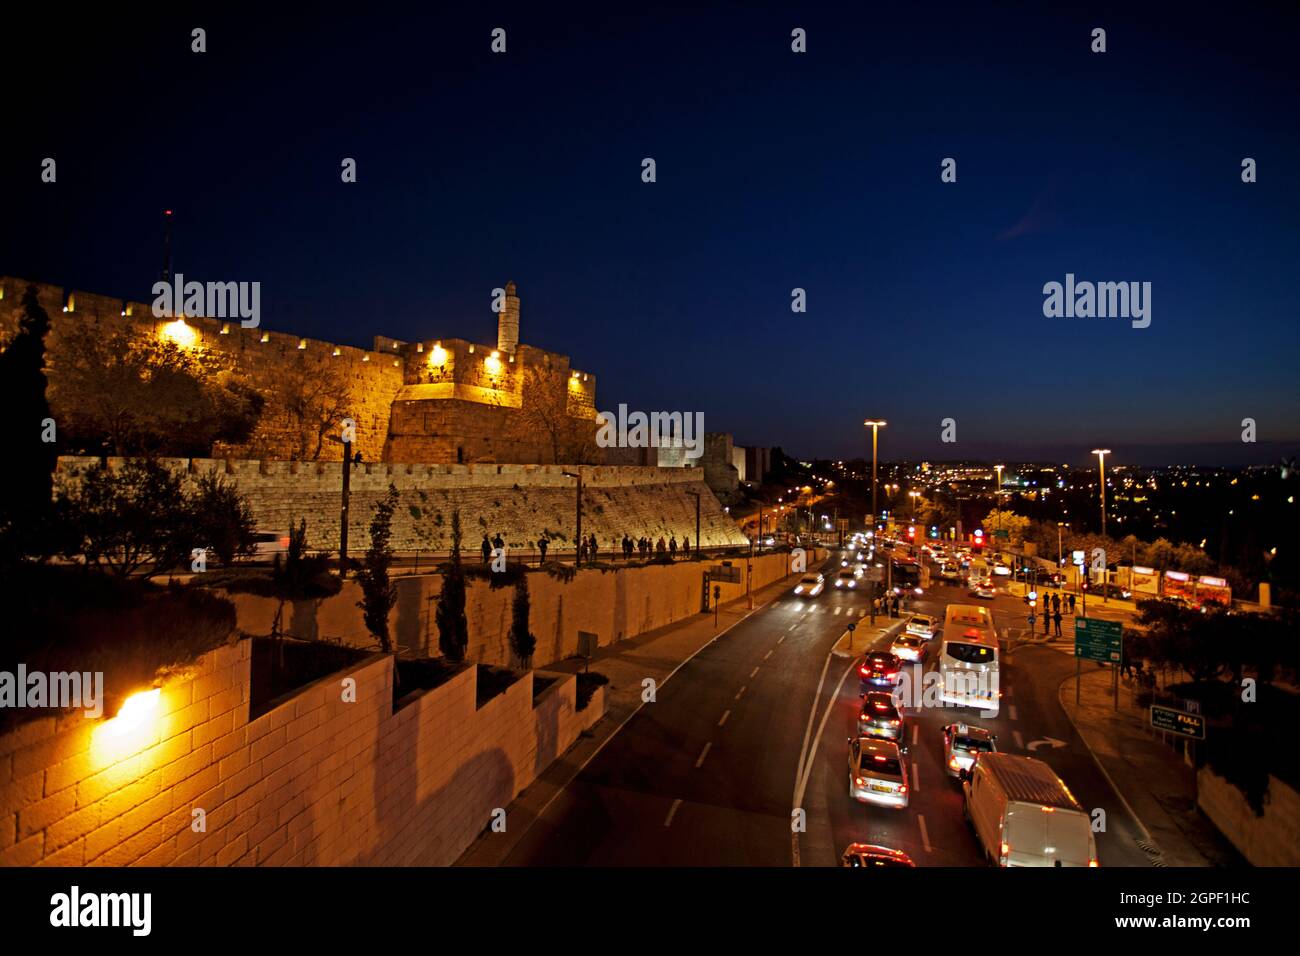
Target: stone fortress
x=467, y=423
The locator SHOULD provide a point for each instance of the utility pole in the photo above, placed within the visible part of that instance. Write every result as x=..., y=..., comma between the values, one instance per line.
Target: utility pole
x=577, y=544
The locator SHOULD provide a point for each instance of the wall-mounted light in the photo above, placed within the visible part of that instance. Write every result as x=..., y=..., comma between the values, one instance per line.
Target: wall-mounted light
x=493, y=363
x=70, y=303
x=366, y=357
x=337, y=352
x=438, y=355
x=266, y=337
x=135, y=711
x=180, y=333
x=471, y=350
x=225, y=328
x=302, y=343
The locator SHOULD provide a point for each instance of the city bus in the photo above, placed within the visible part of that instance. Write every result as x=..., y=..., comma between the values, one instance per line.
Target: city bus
x=968, y=659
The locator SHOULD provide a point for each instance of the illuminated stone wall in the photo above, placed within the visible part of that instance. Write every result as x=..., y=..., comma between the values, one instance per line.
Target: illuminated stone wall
x=322, y=779
x=431, y=401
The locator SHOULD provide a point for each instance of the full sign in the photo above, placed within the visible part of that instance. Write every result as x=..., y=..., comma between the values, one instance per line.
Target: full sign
x=1178, y=722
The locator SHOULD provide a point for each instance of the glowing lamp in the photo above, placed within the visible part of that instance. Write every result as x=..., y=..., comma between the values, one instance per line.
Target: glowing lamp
x=136, y=710
x=180, y=333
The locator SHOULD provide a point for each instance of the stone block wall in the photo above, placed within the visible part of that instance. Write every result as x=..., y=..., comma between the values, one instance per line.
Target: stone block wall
x=1270, y=840
x=315, y=781
x=612, y=604
x=519, y=502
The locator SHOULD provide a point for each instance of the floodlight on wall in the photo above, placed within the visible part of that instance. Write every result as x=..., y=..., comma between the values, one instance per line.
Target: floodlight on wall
x=180, y=333
x=493, y=363
x=225, y=328
x=437, y=356
x=337, y=352
x=302, y=343
x=266, y=337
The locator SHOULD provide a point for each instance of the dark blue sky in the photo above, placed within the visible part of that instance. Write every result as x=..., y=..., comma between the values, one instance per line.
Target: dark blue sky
x=775, y=170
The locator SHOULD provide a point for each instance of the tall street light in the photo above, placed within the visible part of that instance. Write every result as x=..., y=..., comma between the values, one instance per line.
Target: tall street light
x=875, y=425
x=1060, y=555
x=1101, y=454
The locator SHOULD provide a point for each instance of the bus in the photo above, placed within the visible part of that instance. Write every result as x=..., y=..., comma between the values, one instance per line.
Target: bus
x=968, y=659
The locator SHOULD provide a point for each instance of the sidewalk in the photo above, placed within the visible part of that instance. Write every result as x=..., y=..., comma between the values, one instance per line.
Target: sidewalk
x=657, y=655
x=1152, y=779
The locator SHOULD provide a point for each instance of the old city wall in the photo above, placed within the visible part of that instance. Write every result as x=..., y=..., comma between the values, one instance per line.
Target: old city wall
x=441, y=400
x=372, y=378
x=519, y=502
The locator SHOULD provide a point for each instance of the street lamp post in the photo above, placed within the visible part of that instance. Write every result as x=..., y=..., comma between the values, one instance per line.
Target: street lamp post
x=876, y=425
x=697, y=523
x=577, y=543
x=1101, y=454
x=1060, y=555
x=348, y=461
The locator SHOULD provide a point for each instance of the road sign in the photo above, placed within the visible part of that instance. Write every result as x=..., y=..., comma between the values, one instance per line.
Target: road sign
x=874, y=574
x=852, y=627
x=1178, y=722
x=1098, y=640
x=1001, y=533
x=728, y=573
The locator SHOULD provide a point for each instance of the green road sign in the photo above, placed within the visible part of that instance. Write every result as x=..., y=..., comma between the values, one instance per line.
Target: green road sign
x=1178, y=722
x=1001, y=534
x=1097, y=640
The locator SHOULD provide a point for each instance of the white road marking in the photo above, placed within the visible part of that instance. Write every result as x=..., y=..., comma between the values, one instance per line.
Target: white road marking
x=768, y=654
x=1020, y=741
x=1011, y=691
x=703, y=753
x=916, y=777
x=739, y=692
x=780, y=639
x=752, y=673
x=925, y=834
x=791, y=628
x=725, y=715
x=1012, y=710
x=916, y=729
x=837, y=610
x=672, y=812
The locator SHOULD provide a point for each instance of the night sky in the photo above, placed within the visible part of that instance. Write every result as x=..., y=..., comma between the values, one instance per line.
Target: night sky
x=775, y=170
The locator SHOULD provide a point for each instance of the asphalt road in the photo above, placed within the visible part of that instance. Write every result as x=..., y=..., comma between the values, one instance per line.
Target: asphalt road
x=709, y=772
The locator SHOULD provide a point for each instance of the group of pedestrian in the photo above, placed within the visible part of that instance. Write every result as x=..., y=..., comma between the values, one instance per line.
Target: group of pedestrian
x=1053, y=615
x=497, y=543
x=889, y=604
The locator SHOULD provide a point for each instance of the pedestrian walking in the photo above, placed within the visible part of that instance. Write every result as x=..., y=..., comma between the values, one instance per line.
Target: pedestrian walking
x=686, y=547
x=542, y=545
x=672, y=547
x=661, y=547
x=594, y=549
x=1056, y=618
x=499, y=543
x=1071, y=603
x=486, y=549
x=1056, y=604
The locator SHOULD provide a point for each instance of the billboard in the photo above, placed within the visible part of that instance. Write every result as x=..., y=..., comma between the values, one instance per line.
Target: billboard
x=1210, y=590
x=1144, y=580
x=1178, y=584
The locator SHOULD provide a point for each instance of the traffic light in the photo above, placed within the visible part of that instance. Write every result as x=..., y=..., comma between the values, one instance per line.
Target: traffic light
x=911, y=533
x=1083, y=583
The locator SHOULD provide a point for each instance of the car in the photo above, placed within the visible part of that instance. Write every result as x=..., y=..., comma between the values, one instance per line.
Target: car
x=879, y=717
x=922, y=625
x=847, y=578
x=810, y=585
x=1111, y=591
x=270, y=543
x=867, y=854
x=962, y=744
x=982, y=588
x=909, y=647
x=880, y=669
x=877, y=773
x=950, y=572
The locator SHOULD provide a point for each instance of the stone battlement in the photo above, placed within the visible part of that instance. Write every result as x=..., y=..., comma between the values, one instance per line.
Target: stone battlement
x=442, y=400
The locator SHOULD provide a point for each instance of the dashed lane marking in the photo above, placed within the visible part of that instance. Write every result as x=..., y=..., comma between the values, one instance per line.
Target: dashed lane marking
x=755, y=671
x=1020, y=741
x=740, y=692
x=723, y=719
x=925, y=834
x=703, y=753
x=672, y=812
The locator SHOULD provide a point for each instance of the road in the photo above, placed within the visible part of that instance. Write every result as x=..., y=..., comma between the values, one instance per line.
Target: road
x=708, y=773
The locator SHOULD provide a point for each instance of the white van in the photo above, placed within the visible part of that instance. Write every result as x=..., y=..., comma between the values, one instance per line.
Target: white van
x=1024, y=815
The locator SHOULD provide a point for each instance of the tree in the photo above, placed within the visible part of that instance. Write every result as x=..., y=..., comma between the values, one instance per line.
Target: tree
x=316, y=399
x=26, y=508
x=1015, y=525
x=453, y=629
x=378, y=591
x=122, y=393
x=522, y=641
x=544, y=412
x=127, y=517
x=220, y=519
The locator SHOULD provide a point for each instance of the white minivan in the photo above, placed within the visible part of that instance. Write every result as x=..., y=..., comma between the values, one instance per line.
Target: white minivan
x=1024, y=815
